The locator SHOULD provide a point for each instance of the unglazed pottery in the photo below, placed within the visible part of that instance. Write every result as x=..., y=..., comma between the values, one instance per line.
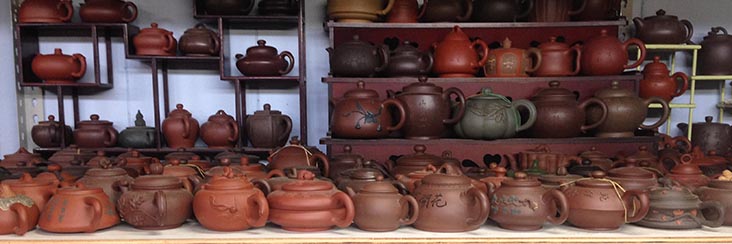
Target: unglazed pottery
x=357, y=58
x=108, y=11
x=663, y=29
x=59, y=68
x=597, y=158
x=688, y=174
x=180, y=128
x=559, y=115
x=428, y=109
x=364, y=11
x=200, y=41
x=445, y=11
x=220, y=131
x=340, y=162
x=523, y=204
x=95, y=133
x=268, y=128
x=408, y=61
x=155, y=202
x=606, y=55
x=228, y=7
x=135, y=162
x=108, y=178
x=380, y=207
x=263, y=60
x=155, y=41
x=721, y=191
x=625, y=112
x=39, y=190
x=138, y=136
x=296, y=155
x=542, y=160
x=500, y=10
x=710, y=163
x=78, y=209
x=403, y=11
x=633, y=177
x=48, y=133
x=656, y=82
x=361, y=114
x=715, y=57
x=675, y=207
x=710, y=135
x=490, y=116
x=278, y=7
x=509, y=61
x=45, y=11
x=598, y=9
x=456, y=55
x=559, y=59
x=21, y=158
x=414, y=162
x=554, y=10
x=409, y=180
x=190, y=175
x=18, y=213
x=230, y=203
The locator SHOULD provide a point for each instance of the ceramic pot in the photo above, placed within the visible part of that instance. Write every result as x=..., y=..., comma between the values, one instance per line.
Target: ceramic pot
x=380, y=207
x=633, y=178
x=307, y=205
x=48, y=133
x=230, y=203
x=200, y=41
x=715, y=57
x=357, y=58
x=263, y=60
x=268, y=128
x=558, y=115
x=559, y=59
x=597, y=158
x=720, y=191
x=357, y=179
x=657, y=83
x=220, y=131
x=523, y=204
x=135, y=163
x=107, y=178
x=512, y=62
x=413, y=162
x=710, y=163
x=448, y=202
x=455, y=55
x=597, y=204
x=277, y=178
x=190, y=175
x=606, y=55
x=59, y=68
x=108, y=11
x=72, y=156
x=669, y=152
x=554, y=10
x=78, y=209
x=559, y=181
x=427, y=109
x=18, y=213
x=45, y=11
x=500, y=10
x=710, y=135
x=155, y=202
x=596, y=10
x=495, y=180
x=408, y=61
x=409, y=180
x=490, y=116
x=228, y=7
x=295, y=155
x=625, y=112
x=278, y=7
x=663, y=29
x=180, y=128
x=344, y=161
x=445, y=11
x=541, y=160
x=365, y=11
x=21, y=159
x=688, y=174
x=95, y=133
x=236, y=157
x=138, y=136
x=361, y=114
x=39, y=190
x=675, y=207
x=403, y=11
x=155, y=41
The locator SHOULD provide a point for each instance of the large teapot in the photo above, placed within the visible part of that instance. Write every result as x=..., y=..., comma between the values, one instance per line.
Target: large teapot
x=625, y=112
x=220, y=131
x=108, y=11
x=357, y=58
x=491, y=116
x=45, y=11
x=445, y=10
x=710, y=135
x=657, y=83
x=512, y=62
x=663, y=29
x=606, y=55
x=559, y=115
x=715, y=57
x=455, y=55
x=364, y=11
x=675, y=207
x=180, y=128
x=500, y=10
x=427, y=109
x=361, y=114
x=558, y=59
x=78, y=209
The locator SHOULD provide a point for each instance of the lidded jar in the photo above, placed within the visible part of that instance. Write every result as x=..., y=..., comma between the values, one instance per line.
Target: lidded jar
x=59, y=68
x=200, y=41
x=220, y=131
x=155, y=202
x=263, y=60
x=180, y=128
x=491, y=116
x=559, y=115
x=626, y=112
x=429, y=109
x=18, y=213
x=230, y=203
x=48, y=133
x=559, y=59
x=357, y=58
x=523, y=204
x=95, y=133
x=606, y=55
x=380, y=207
x=268, y=128
x=408, y=61
x=361, y=114
x=455, y=55
x=663, y=29
x=108, y=178
x=657, y=83
x=710, y=135
x=676, y=207
x=155, y=41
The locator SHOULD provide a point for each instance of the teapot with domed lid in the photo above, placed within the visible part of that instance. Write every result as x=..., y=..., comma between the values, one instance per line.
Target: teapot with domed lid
x=263, y=60
x=95, y=133
x=230, y=202
x=626, y=112
x=380, y=207
x=180, y=128
x=559, y=115
x=656, y=82
x=523, y=204
x=663, y=29
x=361, y=114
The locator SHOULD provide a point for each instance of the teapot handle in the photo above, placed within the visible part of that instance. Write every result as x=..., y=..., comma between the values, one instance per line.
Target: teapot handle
x=484, y=58
x=684, y=86
x=468, y=10
x=664, y=116
x=423, y=9
x=560, y=201
x=288, y=128
x=482, y=199
x=323, y=159
x=641, y=46
x=532, y=113
x=384, y=54
x=133, y=11
x=461, y=108
x=186, y=127
x=290, y=62
x=578, y=50
x=402, y=113
x=111, y=135
x=602, y=105
x=234, y=132
x=23, y=222
x=82, y=65
x=387, y=9
x=413, y=206
x=689, y=31
x=717, y=208
x=66, y=4
x=262, y=185
x=217, y=43
x=526, y=12
x=161, y=204
x=171, y=42
x=97, y=208
x=55, y=138
x=263, y=210
x=636, y=214
x=580, y=9
x=430, y=62
x=537, y=53
x=350, y=210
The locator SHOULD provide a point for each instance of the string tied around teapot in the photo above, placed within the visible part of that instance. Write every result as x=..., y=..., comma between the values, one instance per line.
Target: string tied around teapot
x=307, y=152
x=619, y=191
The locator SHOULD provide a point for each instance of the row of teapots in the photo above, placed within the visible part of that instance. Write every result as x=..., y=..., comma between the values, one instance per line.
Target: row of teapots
x=425, y=111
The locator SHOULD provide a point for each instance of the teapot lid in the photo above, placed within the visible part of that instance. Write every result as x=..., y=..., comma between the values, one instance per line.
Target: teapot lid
x=553, y=45
x=267, y=110
x=506, y=43
x=585, y=168
x=156, y=182
x=554, y=91
x=26, y=180
x=306, y=182
x=220, y=116
x=660, y=14
x=686, y=167
x=361, y=92
x=614, y=91
x=179, y=112
x=446, y=179
x=379, y=187
x=94, y=120
x=262, y=47
x=229, y=180
x=422, y=86
x=347, y=155
x=80, y=189
x=366, y=174
x=714, y=33
x=593, y=153
x=456, y=34
x=631, y=172
x=643, y=155
x=406, y=48
x=181, y=154
x=521, y=179
x=51, y=121
x=154, y=29
x=419, y=158
x=711, y=157
x=199, y=28
x=22, y=157
x=656, y=66
x=106, y=169
x=598, y=180
x=176, y=169
x=486, y=93
x=673, y=195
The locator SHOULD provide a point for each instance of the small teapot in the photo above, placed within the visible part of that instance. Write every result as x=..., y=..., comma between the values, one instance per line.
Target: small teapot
x=361, y=114
x=155, y=41
x=626, y=112
x=180, y=129
x=220, y=131
x=559, y=59
x=38, y=190
x=413, y=162
x=268, y=128
x=108, y=178
x=263, y=60
x=657, y=83
x=429, y=109
x=48, y=133
x=59, y=68
x=490, y=116
x=357, y=58
x=18, y=213
x=200, y=41
x=675, y=207
x=509, y=61
x=559, y=115
x=715, y=56
x=606, y=55
x=445, y=11
x=455, y=55
x=95, y=133
x=363, y=11
x=295, y=155
x=720, y=191
x=500, y=10
x=226, y=202
x=108, y=11
x=408, y=61
x=663, y=29
x=155, y=202
x=380, y=207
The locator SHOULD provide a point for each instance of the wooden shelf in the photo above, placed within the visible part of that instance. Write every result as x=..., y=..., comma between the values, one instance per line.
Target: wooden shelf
x=264, y=78
x=511, y=141
x=176, y=58
x=519, y=80
x=201, y=150
x=471, y=25
x=84, y=86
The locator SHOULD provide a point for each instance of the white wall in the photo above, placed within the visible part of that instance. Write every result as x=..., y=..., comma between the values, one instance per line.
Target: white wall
x=8, y=112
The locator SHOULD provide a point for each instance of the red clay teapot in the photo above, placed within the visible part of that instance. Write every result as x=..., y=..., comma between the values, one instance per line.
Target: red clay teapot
x=657, y=83
x=675, y=207
x=59, y=68
x=45, y=11
x=559, y=59
x=428, y=109
x=523, y=204
x=155, y=41
x=180, y=128
x=220, y=131
x=230, y=203
x=403, y=11
x=18, y=213
x=663, y=29
x=95, y=133
x=606, y=55
x=455, y=55
x=108, y=11
x=263, y=60
x=721, y=191
x=559, y=115
x=380, y=207
x=361, y=114
x=155, y=202
x=295, y=155
x=445, y=10
x=38, y=190
x=688, y=174
x=625, y=112
x=78, y=209
x=512, y=62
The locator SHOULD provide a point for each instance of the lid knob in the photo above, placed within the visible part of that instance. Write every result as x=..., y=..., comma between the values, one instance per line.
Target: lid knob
x=598, y=174
x=661, y=12
x=305, y=175
x=708, y=119
x=179, y=106
x=154, y=25
x=506, y=43
x=347, y=149
x=267, y=107
x=420, y=148
x=139, y=119
x=51, y=118
x=520, y=175
x=94, y=117
x=261, y=43
x=360, y=84
x=135, y=153
x=552, y=39
x=225, y=162
x=244, y=161
x=57, y=51
x=656, y=59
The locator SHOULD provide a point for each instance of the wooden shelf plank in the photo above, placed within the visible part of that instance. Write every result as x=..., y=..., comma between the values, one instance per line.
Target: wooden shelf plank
x=511, y=141
x=447, y=25
x=632, y=77
x=119, y=150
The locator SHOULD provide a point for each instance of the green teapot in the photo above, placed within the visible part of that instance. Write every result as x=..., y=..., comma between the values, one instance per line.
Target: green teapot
x=490, y=116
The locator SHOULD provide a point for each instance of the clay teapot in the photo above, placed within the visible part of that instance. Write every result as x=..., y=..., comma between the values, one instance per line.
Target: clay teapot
x=200, y=41
x=277, y=178
x=380, y=207
x=358, y=178
x=254, y=171
x=72, y=156
x=523, y=204
x=138, y=136
x=344, y=161
x=357, y=58
x=559, y=59
x=688, y=174
x=500, y=10
x=554, y=10
x=428, y=109
x=364, y=11
x=180, y=154
x=268, y=128
x=228, y=7
x=45, y=11
x=490, y=116
x=561, y=180
x=715, y=56
x=278, y=7
x=95, y=133
x=236, y=156
x=670, y=151
x=597, y=158
x=39, y=190
x=361, y=114
x=108, y=11
x=108, y=178
x=180, y=128
x=403, y=11
x=190, y=175
x=509, y=61
x=21, y=159
x=155, y=202
x=710, y=163
x=657, y=83
x=600, y=204
x=597, y=10
x=230, y=203
x=495, y=181
x=408, y=61
x=413, y=162
x=540, y=159
x=675, y=207
x=721, y=191
x=308, y=205
x=559, y=115
x=709, y=135
x=59, y=68
x=448, y=202
x=155, y=41
x=263, y=60
x=78, y=209
x=663, y=29
x=625, y=112
x=295, y=155
x=455, y=55
x=48, y=133
x=445, y=11
x=135, y=163
x=18, y=213
x=410, y=179
x=634, y=177
x=606, y=55
x=220, y=131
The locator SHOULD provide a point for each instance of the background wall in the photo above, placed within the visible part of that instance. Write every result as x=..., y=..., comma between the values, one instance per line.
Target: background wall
x=203, y=93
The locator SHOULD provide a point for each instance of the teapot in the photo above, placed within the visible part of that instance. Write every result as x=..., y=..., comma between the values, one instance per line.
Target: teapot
x=190, y=175
x=663, y=29
x=48, y=133
x=220, y=131
x=380, y=207
x=180, y=129
x=558, y=59
x=226, y=203
x=268, y=128
x=500, y=10
x=710, y=163
x=445, y=10
x=108, y=11
x=108, y=178
x=675, y=207
x=59, y=68
x=715, y=56
x=295, y=155
x=45, y=11
x=634, y=177
x=657, y=83
x=263, y=60
x=364, y=11
x=428, y=109
x=554, y=10
x=523, y=204
x=95, y=133
x=344, y=161
x=39, y=190
x=138, y=136
x=135, y=162
x=490, y=116
x=228, y=7
x=606, y=55
x=278, y=7
x=78, y=209
x=155, y=202
x=709, y=135
x=21, y=159
x=403, y=11
x=413, y=162
x=357, y=58
x=625, y=112
x=361, y=114
x=455, y=56
x=598, y=10
x=559, y=115
x=511, y=62
x=408, y=61
x=200, y=41
x=688, y=174
x=155, y=41
x=18, y=213
x=720, y=191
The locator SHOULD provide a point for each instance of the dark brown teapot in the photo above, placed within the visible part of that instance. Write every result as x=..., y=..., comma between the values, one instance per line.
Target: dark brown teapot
x=408, y=61
x=263, y=60
x=597, y=10
x=428, y=109
x=606, y=55
x=138, y=136
x=500, y=10
x=220, y=131
x=45, y=11
x=108, y=11
x=710, y=135
x=48, y=133
x=59, y=68
x=455, y=55
x=357, y=58
x=559, y=115
x=413, y=162
x=663, y=29
x=22, y=158
x=295, y=155
x=559, y=59
x=268, y=128
x=228, y=7
x=200, y=41
x=278, y=7
x=656, y=82
x=715, y=56
x=155, y=41
x=180, y=128
x=675, y=207
x=523, y=204
x=344, y=161
x=625, y=112
x=361, y=114
x=95, y=133
x=445, y=11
